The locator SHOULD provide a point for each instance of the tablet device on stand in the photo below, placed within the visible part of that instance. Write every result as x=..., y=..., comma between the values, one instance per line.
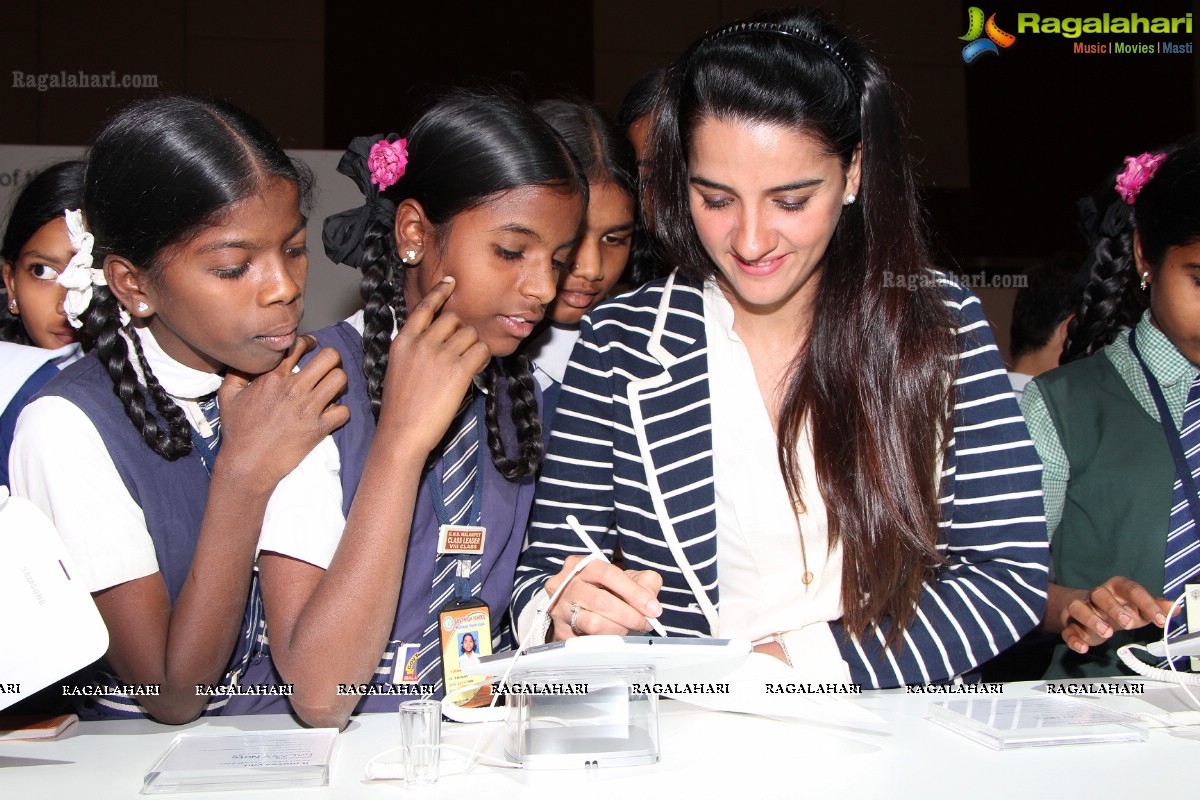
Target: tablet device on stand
x=50, y=627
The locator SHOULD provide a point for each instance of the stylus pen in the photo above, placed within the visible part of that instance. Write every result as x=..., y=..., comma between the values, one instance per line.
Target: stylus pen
x=594, y=550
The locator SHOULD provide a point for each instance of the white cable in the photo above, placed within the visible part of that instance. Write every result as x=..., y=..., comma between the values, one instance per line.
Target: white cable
x=376, y=771
x=1183, y=679
x=522, y=645
x=1179, y=677
x=1155, y=673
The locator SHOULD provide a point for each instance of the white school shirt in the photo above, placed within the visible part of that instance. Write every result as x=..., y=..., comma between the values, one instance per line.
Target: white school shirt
x=304, y=518
x=60, y=463
x=19, y=361
x=550, y=352
x=759, y=557
x=1019, y=381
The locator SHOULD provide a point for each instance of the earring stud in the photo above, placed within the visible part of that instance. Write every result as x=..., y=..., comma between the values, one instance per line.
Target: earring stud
x=850, y=198
x=12, y=305
x=409, y=256
x=142, y=308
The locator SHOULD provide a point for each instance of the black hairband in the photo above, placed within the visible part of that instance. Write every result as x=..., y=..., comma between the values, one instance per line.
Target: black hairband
x=744, y=28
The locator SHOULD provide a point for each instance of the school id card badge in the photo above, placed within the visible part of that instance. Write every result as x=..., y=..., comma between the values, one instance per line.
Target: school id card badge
x=466, y=633
x=465, y=623
x=404, y=669
x=461, y=539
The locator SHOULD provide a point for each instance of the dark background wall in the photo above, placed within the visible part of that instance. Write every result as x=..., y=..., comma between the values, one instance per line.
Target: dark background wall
x=1005, y=144
x=380, y=84
x=268, y=57
x=1045, y=126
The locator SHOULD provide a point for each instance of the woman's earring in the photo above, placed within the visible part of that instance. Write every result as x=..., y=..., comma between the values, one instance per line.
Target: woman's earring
x=1145, y=283
x=12, y=306
x=409, y=257
x=850, y=198
x=142, y=307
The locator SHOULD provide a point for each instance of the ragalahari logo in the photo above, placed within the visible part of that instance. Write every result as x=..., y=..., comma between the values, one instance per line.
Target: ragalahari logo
x=976, y=27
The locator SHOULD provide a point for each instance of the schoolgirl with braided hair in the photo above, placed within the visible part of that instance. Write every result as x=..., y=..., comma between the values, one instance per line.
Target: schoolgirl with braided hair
x=35, y=249
x=1112, y=299
x=610, y=230
x=1112, y=428
x=466, y=225
x=36, y=340
x=188, y=282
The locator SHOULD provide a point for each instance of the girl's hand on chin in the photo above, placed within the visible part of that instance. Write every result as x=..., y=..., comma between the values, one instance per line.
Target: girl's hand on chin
x=430, y=366
x=269, y=424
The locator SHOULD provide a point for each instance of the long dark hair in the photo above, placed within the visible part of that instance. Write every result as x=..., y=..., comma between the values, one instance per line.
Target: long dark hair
x=1164, y=214
x=644, y=263
x=603, y=152
x=872, y=375
x=639, y=99
x=44, y=199
x=606, y=155
x=159, y=171
x=462, y=152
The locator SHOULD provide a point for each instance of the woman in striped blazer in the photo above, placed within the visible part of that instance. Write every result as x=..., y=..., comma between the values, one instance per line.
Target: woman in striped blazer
x=803, y=436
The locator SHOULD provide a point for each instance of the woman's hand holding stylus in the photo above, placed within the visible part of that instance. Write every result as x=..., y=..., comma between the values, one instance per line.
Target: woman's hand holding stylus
x=603, y=598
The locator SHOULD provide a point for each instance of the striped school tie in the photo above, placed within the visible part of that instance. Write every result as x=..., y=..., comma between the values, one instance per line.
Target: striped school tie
x=460, y=459
x=1183, y=546
x=206, y=438
x=252, y=643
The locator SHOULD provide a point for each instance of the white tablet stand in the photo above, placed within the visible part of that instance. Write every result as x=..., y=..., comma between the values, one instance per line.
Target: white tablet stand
x=591, y=701
x=582, y=717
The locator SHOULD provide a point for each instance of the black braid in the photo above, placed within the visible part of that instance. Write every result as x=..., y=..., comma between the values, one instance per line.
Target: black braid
x=103, y=329
x=491, y=382
x=530, y=444
x=382, y=291
x=1112, y=297
x=179, y=430
x=515, y=370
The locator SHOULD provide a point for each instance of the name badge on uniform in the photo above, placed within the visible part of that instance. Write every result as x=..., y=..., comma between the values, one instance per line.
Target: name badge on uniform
x=461, y=539
x=405, y=668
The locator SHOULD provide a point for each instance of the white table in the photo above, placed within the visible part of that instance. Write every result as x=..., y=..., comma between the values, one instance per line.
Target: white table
x=704, y=754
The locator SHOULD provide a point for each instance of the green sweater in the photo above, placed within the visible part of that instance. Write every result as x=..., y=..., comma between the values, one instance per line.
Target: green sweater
x=1110, y=474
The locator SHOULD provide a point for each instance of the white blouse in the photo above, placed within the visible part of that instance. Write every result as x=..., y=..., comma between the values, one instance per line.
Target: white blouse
x=550, y=352
x=59, y=461
x=760, y=560
x=19, y=361
x=304, y=518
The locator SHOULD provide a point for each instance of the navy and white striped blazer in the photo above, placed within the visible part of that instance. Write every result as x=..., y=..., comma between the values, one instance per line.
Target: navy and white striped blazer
x=631, y=457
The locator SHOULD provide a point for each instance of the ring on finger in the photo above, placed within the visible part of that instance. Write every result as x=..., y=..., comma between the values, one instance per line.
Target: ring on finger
x=575, y=619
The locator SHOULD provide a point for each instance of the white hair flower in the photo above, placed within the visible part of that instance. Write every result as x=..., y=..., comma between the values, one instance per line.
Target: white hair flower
x=78, y=278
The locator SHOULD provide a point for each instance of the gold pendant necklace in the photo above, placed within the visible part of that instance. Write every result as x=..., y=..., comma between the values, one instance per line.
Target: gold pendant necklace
x=807, y=577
